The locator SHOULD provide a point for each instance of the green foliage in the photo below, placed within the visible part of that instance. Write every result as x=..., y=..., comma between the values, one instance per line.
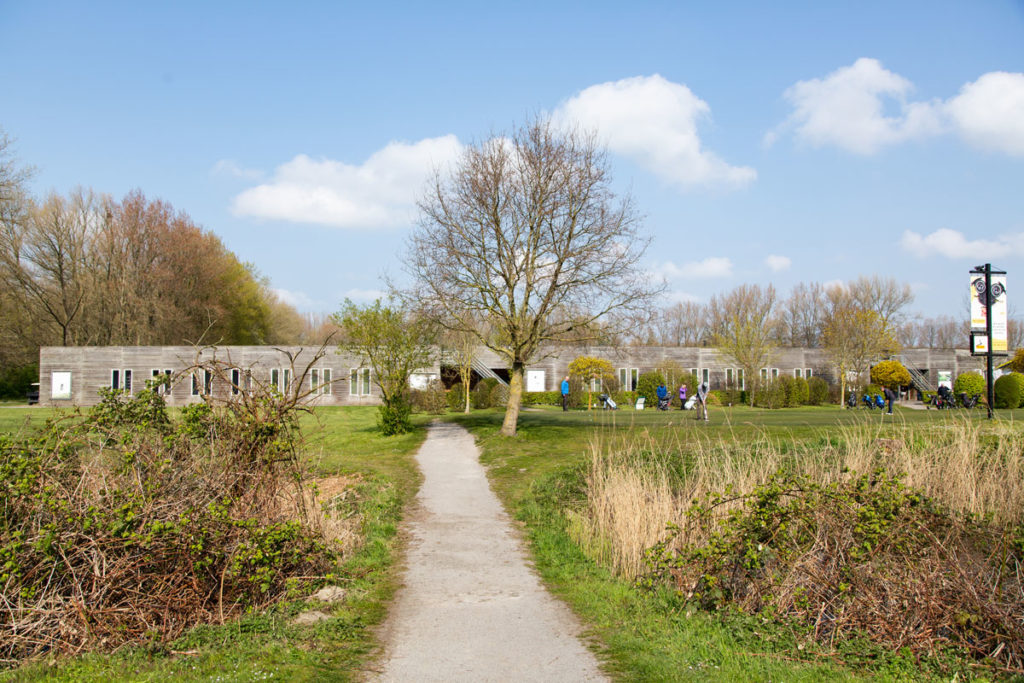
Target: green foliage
x=393, y=416
x=499, y=395
x=542, y=398
x=1009, y=391
x=118, y=409
x=1017, y=362
x=432, y=399
x=481, y=394
x=817, y=391
x=798, y=393
x=395, y=343
x=772, y=394
x=647, y=386
x=16, y=381
x=456, y=397
x=969, y=383
x=890, y=373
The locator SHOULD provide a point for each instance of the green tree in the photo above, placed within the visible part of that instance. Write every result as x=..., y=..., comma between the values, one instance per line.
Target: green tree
x=589, y=370
x=890, y=373
x=1016, y=363
x=853, y=336
x=743, y=325
x=526, y=235
x=395, y=344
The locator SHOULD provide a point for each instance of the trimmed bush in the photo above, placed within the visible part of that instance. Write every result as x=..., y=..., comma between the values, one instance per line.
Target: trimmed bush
x=890, y=373
x=499, y=396
x=481, y=395
x=817, y=391
x=1009, y=390
x=772, y=395
x=542, y=398
x=647, y=386
x=457, y=398
x=969, y=383
x=432, y=400
x=798, y=393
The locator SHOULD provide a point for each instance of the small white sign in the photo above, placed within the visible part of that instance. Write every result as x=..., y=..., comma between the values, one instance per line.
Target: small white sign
x=60, y=385
x=535, y=380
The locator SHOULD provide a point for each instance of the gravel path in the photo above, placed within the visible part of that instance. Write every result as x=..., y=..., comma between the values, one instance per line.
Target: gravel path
x=470, y=608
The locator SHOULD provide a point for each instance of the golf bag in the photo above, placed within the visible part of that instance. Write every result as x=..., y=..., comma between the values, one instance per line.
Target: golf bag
x=607, y=403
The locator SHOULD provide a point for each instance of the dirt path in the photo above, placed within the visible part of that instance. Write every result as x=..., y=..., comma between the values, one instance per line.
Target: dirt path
x=470, y=608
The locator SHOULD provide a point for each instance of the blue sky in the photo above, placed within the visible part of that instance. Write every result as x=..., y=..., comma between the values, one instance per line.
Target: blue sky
x=763, y=142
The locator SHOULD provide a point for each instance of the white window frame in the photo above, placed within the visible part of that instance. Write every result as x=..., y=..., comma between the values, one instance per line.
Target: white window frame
x=705, y=376
x=236, y=381
x=286, y=380
x=275, y=378
x=115, y=378
x=314, y=380
x=741, y=379
x=628, y=378
x=164, y=388
x=122, y=378
x=325, y=381
x=359, y=382
x=798, y=373
x=775, y=374
x=196, y=387
x=764, y=374
x=207, y=382
x=808, y=373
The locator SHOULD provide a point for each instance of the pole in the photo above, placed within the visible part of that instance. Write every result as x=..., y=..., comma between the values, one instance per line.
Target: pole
x=990, y=389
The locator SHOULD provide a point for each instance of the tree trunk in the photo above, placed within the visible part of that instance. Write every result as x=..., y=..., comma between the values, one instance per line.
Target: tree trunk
x=515, y=397
x=842, y=387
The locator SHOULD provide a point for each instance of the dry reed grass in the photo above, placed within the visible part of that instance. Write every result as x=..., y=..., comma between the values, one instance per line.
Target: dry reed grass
x=638, y=483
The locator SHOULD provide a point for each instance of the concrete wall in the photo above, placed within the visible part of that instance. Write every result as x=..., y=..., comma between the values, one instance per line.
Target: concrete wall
x=90, y=367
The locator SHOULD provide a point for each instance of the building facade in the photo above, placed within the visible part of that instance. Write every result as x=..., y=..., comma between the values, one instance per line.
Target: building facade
x=74, y=375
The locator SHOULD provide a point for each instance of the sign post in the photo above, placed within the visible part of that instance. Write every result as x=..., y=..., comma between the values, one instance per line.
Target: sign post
x=988, y=321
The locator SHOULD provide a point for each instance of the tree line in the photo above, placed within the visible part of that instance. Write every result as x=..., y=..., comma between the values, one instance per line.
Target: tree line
x=85, y=269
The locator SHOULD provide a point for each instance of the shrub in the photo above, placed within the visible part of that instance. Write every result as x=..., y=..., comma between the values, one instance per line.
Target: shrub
x=798, y=393
x=890, y=373
x=456, y=398
x=969, y=383
x=432, y=399
x=542, y=398
x=499, y=396
x=15, y=382
x=771, y=395
x=647, y=386
x=728, y=397
x=1009, y=390
x=481, y=395
x=393, y=417
x=817, y=391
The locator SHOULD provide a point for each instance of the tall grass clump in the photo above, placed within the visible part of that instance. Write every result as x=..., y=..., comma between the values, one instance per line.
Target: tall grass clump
x=914, y=538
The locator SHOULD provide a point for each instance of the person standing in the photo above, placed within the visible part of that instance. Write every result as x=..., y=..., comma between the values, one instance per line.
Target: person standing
x=565, y=394
x=890, y=396
x=682, y=397
x=702, y=401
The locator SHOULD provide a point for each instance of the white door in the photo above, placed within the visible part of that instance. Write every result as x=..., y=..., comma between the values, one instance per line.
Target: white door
x=535, y=380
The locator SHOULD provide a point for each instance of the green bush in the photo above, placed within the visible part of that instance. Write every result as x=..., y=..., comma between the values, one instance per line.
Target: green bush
x=647, y=386
x=1009, y=390
x=624, y=399
x=482, y=392
x=456, y=398
x=771, y=395
x=432, y=399
x=542, y=398
x=499, y=396
x=817, y=391
x=15, y=382
x=798, y=393
x=730, y=396
x=969, y=383
x=393, y=417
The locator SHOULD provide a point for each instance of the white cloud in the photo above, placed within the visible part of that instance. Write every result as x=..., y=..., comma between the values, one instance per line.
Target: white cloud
x=379, y=193
x=653, y=121
x=298, y=300
x=847, y=109
x=231, y=168
x=989, y=112
x=954, y=245
x=710, y=267
x=778, y=263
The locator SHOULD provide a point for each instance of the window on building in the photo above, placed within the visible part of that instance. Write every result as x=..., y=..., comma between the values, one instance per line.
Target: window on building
x=775, y=374
x=115, y=379
x=740, y=378
x=359, y=382
x=162, y=381
x=705, y=375
x=764, y=374
x=808, y=373
x=695, y=372
x=596, y=384
x=314, y=380
x=286, y=380
x=326, y=376
x=121, y=379
x=195, y=384
x=275, y=379
x=236, y=381
x=207, y=382
x=798, y=372
x=730, y=378
x=628, y=378
x=128, y=381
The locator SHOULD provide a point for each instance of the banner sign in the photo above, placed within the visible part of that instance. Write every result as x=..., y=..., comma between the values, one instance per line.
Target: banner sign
x=979, y=299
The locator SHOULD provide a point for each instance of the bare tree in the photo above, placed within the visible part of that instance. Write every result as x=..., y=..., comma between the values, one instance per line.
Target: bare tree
x=801, y=316
x=682, y=324
x=853, y=336
x=526, y=235
x=883, y=295
x=743, y=323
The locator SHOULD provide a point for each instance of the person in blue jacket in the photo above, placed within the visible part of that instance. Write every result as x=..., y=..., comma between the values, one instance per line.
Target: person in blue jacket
x=565, y=394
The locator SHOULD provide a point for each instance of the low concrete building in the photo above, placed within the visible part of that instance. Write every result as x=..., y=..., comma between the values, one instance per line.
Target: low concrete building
x=74, y=375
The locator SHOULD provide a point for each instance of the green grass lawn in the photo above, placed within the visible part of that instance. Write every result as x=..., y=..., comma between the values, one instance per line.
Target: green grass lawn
x=650, y=636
